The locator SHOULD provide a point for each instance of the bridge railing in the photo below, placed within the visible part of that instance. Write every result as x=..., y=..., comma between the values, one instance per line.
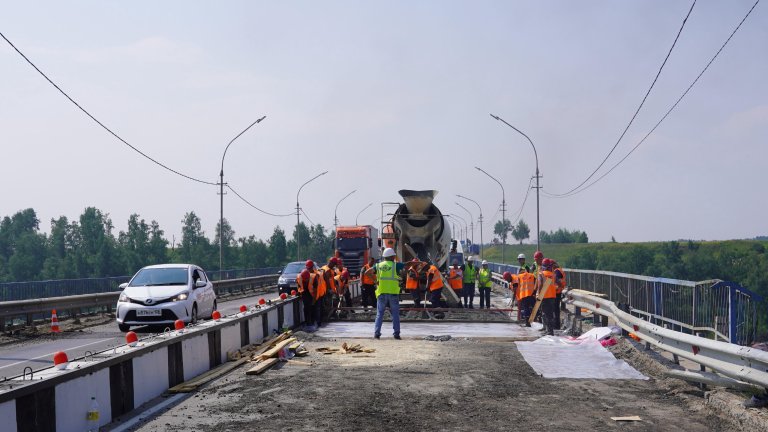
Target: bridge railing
x=10, y=291
x=721, y=310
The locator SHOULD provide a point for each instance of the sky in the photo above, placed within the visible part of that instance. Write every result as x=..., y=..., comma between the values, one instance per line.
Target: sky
x=388, y=96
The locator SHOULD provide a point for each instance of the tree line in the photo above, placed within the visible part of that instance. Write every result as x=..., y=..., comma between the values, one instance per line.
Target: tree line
x=521, y=232
x=87, y=247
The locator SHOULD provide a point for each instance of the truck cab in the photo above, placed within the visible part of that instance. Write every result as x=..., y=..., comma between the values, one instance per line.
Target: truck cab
x=355, y=245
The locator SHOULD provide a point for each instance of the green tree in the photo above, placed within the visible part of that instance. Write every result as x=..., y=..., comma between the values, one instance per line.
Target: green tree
x=502, y=229
x=521, y=231
x=229, y=241
x=195, y=247
x=278, y=248
x=253, y=253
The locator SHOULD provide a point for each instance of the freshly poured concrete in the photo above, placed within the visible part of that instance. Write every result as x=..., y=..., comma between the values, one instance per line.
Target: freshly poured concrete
x=419, y=330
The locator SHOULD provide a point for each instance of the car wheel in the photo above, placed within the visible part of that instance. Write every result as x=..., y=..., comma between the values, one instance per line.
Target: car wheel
x=215, y=307
x=193, y=320
x=123, y=327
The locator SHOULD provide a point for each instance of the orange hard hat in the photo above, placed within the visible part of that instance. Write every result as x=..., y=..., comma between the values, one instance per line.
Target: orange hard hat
x=538, y=255
x=507, y=276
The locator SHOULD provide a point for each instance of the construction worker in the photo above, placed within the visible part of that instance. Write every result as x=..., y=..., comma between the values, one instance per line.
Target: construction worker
x=388, y=292
x=538, y=257
x=456, y=279
x=526, y=283
x=328, y=282
x=435, y=286
x=548, y=305
x=412, y=276
x=307, y=282
x=484, y=285
x=522, y=264
x=512, y=281
x=470, y=276
x=368, y=282
x=342, y=282
x=559, y=293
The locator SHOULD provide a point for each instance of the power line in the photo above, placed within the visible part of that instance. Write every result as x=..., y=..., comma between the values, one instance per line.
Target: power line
x=671, y=108
x=97, y=121
x=305, y=215
x=637, y=111
x=522, y=206
x=253, y=206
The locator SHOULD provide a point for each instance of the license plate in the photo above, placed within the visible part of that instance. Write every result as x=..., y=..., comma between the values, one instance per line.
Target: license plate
x=149, y=312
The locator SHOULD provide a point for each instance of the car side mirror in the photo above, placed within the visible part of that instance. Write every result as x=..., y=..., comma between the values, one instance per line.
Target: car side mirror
x=200, y=284
x=123, y=285
x=279, y=272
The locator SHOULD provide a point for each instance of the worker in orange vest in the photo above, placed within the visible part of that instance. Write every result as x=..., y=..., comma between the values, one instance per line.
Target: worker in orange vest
x=548, y=305
x=456, y=280
x=560, y=287
x=538, y=259
x=435, y=286
x=327, y=280
x=412, y=276
x=342, y=283
x=307, y=282
x=526, y=283
x=368, y=284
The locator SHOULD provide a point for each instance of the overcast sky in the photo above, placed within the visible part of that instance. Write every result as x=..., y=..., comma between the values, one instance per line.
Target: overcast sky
x=388, y=96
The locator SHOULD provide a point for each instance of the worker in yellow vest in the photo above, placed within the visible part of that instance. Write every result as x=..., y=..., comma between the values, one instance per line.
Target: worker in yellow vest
x=388, y=292
x=435, y=286
x=368, y=284
x=470, y=277
x=526, y=283
x=456, y=279
x=548, y=305
x=307, y=282
x=484, y=282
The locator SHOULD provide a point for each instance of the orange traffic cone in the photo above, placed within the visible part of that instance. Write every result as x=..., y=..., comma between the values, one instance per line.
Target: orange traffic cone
x=54, y=322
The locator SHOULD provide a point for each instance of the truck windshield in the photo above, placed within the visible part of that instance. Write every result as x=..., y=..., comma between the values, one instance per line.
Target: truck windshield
x=353, y=244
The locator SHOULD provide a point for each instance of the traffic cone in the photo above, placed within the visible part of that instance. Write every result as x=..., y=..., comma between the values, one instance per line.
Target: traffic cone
x=54, y=322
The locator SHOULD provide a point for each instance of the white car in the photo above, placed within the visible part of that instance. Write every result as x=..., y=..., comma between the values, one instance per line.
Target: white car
x=162, y=294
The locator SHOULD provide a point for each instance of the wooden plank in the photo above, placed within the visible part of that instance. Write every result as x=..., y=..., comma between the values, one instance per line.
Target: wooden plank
x=272, y=352
x=212, y=374
x=261, y=367
x=585, y=292
x=629, y=418
x=539, y=298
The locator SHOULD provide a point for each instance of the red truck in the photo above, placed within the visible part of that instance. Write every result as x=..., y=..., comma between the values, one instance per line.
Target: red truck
x=355, y=245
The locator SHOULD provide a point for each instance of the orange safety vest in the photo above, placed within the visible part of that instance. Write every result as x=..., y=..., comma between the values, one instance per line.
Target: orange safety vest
x=513, y=282
x=368, y=278
x=341, y=281
x=548, y=274
x=330, y=286
x=455, y=279
x=411, y=280
x=310, y=284
x=437, y=281
x=322, y=287
x=526, y=283
x=561, y=285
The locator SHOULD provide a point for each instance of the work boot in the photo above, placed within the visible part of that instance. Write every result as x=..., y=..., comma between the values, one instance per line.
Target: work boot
x=377, y=336
x=397, y=336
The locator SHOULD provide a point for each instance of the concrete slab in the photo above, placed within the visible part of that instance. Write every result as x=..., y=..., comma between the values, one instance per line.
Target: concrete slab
x=421, y=329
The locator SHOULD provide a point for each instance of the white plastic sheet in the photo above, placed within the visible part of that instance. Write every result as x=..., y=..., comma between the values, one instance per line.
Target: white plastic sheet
x=419, y=329
x=556, y=357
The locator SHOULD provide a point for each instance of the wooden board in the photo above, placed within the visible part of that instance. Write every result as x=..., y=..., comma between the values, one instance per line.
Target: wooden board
x=261, y=367
x=539, y=298
x=630, y=418
x=585, y=292
x=272, y=352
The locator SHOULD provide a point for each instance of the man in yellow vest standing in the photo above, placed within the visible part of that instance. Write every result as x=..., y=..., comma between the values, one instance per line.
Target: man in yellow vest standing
x=388, y=292
x=484, y=285
x=470, y=276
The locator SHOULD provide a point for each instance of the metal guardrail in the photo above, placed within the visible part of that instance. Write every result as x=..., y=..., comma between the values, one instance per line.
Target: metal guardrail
x=30, y=308
x=68, y=287
x=738, y=362
x=722, y=309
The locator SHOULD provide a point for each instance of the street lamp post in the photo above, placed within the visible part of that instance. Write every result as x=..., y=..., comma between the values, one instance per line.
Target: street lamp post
x=221, y=193
x=471, y=222
x=479, y=220
x=462, y=221
x=503, y=213
x=536, y=154
x=358, y=213
x=298, y=210
x=336, y=219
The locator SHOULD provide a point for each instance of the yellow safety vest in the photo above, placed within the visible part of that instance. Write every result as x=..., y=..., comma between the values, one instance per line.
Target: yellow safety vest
x=386, y=274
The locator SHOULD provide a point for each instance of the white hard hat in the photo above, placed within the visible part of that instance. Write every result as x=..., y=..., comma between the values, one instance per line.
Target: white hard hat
x=469, y=258
x=388, y=252
x=485, y=262
x=521, y=256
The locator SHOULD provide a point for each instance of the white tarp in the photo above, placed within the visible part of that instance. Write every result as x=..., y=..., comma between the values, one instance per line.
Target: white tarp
x=351, y=329
x=556, y=357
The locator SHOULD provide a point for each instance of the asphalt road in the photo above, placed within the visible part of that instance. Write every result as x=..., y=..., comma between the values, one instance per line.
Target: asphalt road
x=37, y=353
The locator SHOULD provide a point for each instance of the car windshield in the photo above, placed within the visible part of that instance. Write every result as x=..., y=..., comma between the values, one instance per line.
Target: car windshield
x=294, y=268
x=352, y=244
x=160, y=276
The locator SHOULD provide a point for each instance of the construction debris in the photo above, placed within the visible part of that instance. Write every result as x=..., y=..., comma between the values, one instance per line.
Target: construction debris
x=281, y=348
x=346, y=349
x=629, y=418
x=442, y=338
